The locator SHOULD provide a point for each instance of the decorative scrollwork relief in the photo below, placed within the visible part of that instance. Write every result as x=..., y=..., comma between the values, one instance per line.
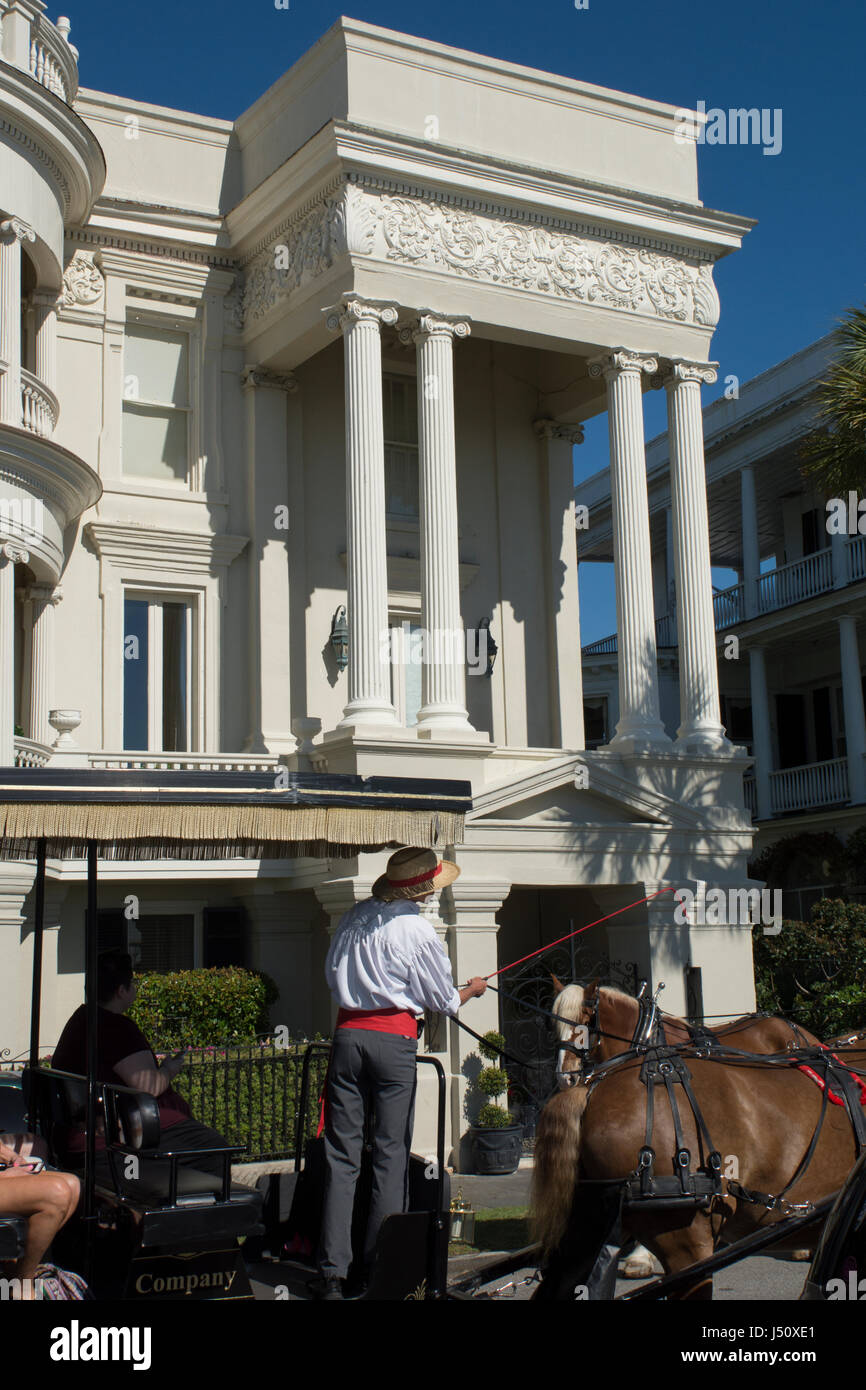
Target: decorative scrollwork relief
x=83, y=281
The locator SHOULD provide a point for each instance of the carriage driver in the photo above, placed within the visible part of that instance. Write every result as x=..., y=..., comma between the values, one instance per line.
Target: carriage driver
x=386, y=965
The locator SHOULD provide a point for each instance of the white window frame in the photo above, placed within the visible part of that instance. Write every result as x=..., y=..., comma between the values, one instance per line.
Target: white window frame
x=181, y=907
x=185, y=320
x=156, y=602
x=401, y=519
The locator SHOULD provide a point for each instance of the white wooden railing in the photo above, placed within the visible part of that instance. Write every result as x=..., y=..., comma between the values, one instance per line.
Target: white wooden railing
x=750, y=795
x=666, y=636
x=812, y=784
x=856, y=558
x=799, y=580
x=728, y=606
x=39, y=406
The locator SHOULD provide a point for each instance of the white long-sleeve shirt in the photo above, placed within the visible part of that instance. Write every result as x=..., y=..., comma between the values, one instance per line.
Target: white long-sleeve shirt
x=387, y=956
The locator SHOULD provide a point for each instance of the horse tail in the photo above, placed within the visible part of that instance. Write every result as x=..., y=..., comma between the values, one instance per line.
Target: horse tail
x=557, y=1151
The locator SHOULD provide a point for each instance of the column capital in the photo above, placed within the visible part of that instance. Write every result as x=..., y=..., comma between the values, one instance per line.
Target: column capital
x=44, y=593
x=14, y=229
x=253, y=377
x=352, y=309
x=618, y=360
x=13, y=552
x=430, y=325
x=682, y=370
x=555, y=429
x=47, y=299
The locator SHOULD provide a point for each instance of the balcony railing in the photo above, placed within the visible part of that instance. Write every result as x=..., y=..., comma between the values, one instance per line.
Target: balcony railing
x=39, y=406
x=856, y=558
x=30, y=754
x=53, y=60
x=666, y=636
x=801, y=579
x=184, y=762
x=803, y=788
x=728, y=607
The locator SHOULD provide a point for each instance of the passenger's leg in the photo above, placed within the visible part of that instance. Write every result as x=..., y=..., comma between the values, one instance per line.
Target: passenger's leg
x=46, y=1199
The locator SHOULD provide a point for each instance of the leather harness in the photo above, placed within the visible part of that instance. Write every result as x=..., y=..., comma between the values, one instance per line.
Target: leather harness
x=662, y=1064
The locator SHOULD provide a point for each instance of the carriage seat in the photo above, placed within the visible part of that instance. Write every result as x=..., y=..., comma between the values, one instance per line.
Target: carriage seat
x=173, y=1201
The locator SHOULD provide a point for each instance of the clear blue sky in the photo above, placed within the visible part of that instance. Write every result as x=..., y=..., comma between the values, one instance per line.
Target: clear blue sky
x=799, y=268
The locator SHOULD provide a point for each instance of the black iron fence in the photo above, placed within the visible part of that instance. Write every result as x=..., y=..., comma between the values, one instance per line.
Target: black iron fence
x=250, y=1093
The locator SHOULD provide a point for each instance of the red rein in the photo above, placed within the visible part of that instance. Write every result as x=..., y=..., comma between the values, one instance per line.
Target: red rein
x=819, y=1080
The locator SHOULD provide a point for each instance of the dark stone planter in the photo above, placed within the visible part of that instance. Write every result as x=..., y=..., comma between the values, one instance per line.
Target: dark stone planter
x=496, y=1152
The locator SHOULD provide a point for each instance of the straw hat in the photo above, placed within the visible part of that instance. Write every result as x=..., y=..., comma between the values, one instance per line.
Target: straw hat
x=413, y=873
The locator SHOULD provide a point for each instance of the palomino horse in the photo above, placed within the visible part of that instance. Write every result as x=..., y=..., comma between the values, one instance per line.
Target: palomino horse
x=761, y=1118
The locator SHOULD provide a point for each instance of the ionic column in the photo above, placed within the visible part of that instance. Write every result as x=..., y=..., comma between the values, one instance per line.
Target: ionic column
x=751, y=546
x=12, y=233
x=443, y=673
x=762, y=746
x=852, y=702
x=11, y=555
x=42, y=599
x=563, y=599
x=46, y=304
x=640, y=724
x=701, y=729
x=367, y=602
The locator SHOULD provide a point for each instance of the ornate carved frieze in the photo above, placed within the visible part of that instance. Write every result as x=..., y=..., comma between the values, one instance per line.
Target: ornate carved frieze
x=480, y=244
x=83, y=282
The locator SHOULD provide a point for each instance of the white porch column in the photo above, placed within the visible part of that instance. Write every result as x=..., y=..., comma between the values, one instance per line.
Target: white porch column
x=701, y=729
x=563, y=597
x=42, y=599
x=751, y=545
x=852, y=700
x=268, y=487
x=46, y=304
x=443, y=672
x=369, y=669
x=12, y=233
x=469, y=908
x=640, y=725
x=10, y=556
x=762, y=743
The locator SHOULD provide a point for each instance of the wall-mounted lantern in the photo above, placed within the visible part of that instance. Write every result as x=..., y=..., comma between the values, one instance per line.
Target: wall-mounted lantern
x=490, y=645
x=340, y=638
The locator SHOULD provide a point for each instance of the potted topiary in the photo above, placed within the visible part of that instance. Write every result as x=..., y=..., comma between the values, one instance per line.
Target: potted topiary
x=495, y=1141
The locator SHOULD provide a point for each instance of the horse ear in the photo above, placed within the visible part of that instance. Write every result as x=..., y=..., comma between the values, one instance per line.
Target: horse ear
x=592, y=988
x=557, y=984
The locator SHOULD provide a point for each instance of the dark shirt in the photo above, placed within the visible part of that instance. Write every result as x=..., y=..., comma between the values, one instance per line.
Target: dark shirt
x=117, y=1037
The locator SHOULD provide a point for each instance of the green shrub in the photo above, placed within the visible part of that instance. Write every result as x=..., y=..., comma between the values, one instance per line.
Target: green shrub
x=492, y=1081
x=198, y=1008
x=493, y=1117
x=815, y=972
x=492, y=1045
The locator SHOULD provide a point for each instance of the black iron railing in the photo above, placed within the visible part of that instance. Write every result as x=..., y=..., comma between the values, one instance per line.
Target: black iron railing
x=250, y=1093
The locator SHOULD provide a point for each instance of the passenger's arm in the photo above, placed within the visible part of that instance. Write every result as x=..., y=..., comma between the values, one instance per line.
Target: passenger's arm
x=139, y=1072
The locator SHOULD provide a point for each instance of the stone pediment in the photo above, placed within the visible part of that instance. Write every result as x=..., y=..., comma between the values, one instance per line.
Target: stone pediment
x=576, y=791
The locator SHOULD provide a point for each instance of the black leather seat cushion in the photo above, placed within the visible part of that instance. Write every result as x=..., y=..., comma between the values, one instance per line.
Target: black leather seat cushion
x=151, y=1187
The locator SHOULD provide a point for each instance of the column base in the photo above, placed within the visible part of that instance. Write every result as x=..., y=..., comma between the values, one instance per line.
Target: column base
x=646, y=738
x=700, y=741
x=372, y=715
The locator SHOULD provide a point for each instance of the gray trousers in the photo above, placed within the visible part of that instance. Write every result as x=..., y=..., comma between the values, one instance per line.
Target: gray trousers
x=378, y=1068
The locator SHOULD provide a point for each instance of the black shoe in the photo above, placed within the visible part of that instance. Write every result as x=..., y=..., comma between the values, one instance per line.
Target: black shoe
x=327, y=1288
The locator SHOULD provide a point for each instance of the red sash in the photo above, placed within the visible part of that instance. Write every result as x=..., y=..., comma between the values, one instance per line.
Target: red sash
x=380, y=1021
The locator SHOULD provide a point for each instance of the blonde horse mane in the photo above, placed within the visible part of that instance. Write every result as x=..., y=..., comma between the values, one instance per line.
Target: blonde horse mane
x=569, y=1002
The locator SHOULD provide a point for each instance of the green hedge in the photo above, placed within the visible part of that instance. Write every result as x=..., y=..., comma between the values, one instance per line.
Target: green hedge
x=815, y=972
x=198, y=1008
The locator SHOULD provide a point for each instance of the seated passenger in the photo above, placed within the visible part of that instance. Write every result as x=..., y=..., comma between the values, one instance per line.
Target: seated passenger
x=124, y=1057
x=46, y=1199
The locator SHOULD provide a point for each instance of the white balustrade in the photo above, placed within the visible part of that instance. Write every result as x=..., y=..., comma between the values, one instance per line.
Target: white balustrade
x=53, y=60
x=39, y=406
x=184, y=762
x=31, y=754
x=812, y=784
x=728, y=606
x=799, y=580
x=750, y=795
x=857, y=558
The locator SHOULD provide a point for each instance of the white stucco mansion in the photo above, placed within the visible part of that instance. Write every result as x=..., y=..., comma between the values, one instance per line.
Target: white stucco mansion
x=335, y=355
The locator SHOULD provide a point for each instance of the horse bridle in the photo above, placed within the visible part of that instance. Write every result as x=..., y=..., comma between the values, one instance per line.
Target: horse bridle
x=585, y=1036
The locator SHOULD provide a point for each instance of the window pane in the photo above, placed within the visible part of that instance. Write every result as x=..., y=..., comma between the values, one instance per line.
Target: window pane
x=401, y=481
x=135, y=662
x=155, y=365
x=174, y=678
x=154, y=443
x=162, y=942
x=400, y=404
